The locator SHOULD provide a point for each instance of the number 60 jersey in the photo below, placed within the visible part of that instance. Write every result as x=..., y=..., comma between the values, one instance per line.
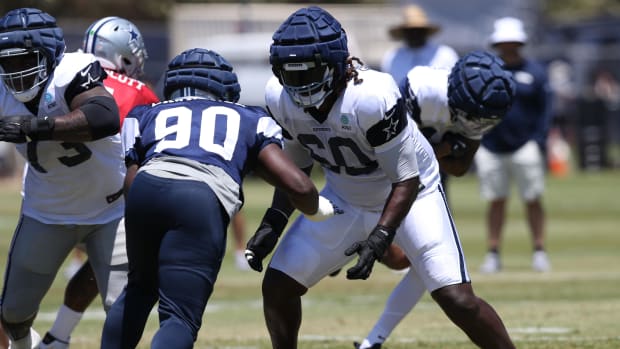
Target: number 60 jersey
x=214, y=142
x=364, y=144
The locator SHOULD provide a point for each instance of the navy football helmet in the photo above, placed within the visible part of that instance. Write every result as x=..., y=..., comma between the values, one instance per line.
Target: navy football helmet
x=201, y=72
x=480, y=92
x=118, y=44
x=31, y=45
x=308, y=55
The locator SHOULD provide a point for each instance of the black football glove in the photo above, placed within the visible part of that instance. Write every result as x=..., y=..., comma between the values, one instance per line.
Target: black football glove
x=458, y=146
x=265, y=239
x=369, y=250
x=25, y=128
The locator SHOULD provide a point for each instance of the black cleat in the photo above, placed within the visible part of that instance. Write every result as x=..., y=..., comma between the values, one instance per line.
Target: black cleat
x=374, y=346
x=335, y=272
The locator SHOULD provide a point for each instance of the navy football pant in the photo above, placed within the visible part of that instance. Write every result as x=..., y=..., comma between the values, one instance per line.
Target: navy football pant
x=176, y=239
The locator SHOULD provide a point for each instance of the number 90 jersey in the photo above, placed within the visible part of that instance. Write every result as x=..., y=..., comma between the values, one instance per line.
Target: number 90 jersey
x=212, y=141
x=364, y=144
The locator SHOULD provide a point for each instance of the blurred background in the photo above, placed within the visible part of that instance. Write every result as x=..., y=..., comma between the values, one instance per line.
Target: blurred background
x=578, y=40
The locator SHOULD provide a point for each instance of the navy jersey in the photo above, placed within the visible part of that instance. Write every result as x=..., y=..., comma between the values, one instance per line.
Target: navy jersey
x=220, y=141
x=529, y=118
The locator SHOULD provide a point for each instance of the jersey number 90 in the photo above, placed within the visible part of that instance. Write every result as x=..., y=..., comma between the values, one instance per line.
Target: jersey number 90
x=182, y=129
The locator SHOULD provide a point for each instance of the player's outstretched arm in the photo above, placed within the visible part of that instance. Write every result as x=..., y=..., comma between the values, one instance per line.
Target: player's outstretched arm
x=94, y=115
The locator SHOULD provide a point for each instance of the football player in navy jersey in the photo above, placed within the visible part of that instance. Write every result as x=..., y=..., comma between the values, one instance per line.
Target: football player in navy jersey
x=454, y=109
x=119, y=47
x=54, y=107
x=379, y=169
x=186, y=159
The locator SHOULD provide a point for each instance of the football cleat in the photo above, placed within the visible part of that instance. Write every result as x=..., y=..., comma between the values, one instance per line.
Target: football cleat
x=491, y=263
x=357, y=345
x=540, y=261
x=35, y=339
x=51, y=342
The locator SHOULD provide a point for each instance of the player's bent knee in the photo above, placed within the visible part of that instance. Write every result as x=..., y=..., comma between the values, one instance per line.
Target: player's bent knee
x=278, y=285
x=457, y=300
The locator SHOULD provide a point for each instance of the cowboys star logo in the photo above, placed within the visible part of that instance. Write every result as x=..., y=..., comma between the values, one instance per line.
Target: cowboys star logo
x=391, y=129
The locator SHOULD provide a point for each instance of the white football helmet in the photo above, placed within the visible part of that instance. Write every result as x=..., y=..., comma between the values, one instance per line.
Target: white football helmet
x=118, y=45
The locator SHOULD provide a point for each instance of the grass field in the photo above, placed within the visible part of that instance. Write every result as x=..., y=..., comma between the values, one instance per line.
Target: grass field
x=577, y=305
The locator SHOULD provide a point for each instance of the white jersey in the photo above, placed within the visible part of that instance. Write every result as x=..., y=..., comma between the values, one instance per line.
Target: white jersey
x=428, y=91
x=68, y=182
x=364, y=144
x=399, y=61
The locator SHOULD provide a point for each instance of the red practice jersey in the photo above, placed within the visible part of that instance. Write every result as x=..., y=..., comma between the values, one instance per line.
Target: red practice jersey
x=128, y=92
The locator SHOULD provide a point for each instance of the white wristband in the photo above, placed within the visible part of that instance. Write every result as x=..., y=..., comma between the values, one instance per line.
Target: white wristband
x=326, y=210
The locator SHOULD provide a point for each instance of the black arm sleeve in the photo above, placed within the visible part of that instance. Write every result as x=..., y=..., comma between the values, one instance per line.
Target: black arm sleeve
x=102, y=116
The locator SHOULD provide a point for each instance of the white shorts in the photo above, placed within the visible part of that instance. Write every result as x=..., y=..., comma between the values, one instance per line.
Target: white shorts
x=526, y=166
x=309, y=251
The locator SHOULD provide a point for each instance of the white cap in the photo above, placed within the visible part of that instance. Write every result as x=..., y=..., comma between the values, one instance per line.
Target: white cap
x=508, y=29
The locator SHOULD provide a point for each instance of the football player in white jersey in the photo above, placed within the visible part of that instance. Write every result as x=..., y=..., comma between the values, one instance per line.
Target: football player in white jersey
x=379, y=169
x=54, y=107
x=453, y=109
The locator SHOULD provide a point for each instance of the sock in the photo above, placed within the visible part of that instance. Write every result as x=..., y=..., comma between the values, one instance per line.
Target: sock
x=66, y=321
x=400, y=302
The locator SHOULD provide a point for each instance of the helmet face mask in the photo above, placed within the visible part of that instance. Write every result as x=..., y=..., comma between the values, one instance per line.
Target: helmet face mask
x=23, y=72
x=306, y=83
x=472, y=125
x=118, y=44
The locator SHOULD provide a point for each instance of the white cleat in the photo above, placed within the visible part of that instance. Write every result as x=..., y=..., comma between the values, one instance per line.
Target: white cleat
x=540, y=262
x=491, y=263
x=28, y=342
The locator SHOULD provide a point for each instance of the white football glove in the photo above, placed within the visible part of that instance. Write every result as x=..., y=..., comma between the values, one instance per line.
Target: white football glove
x=326, y=210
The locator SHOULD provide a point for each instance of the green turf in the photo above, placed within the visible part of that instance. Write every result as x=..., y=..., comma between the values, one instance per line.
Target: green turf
x=577, y=305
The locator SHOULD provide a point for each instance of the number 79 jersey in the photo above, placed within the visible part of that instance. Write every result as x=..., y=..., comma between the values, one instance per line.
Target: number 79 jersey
x=364, y=143
x=222, y=134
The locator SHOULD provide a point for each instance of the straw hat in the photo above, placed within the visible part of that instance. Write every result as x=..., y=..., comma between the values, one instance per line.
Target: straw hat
x=414, y=17
x=508, y=29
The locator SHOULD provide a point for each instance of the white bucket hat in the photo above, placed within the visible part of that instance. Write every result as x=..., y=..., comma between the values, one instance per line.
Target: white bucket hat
x=508, y=29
